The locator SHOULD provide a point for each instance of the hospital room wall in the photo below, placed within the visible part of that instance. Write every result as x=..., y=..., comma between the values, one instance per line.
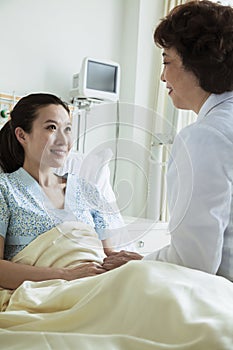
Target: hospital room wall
x=43, y=44
x=140, y=62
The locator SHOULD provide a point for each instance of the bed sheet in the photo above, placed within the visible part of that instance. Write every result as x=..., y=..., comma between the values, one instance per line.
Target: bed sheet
x=141, y=305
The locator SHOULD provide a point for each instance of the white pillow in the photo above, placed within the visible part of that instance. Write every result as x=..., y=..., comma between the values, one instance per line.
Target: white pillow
x=94, y=168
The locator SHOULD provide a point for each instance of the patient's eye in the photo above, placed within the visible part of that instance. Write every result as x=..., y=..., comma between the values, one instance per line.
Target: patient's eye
x=68, y=129
x=51, y=127
x=166, y=62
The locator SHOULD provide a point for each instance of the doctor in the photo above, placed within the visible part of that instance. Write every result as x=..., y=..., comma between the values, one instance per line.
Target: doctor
x=197, y=43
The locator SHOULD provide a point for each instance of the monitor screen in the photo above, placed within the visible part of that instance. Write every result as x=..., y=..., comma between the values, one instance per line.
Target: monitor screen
x=101, y=76
x=97, y=79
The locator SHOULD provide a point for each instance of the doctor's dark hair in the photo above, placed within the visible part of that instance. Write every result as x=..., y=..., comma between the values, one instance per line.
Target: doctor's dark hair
x=202, y=34
x=23, y=115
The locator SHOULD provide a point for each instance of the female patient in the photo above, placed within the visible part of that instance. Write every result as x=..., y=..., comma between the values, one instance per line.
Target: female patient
x=197, y=43
x=33, y=199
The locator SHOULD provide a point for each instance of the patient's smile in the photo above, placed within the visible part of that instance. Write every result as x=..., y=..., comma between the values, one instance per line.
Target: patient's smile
x=59, y=152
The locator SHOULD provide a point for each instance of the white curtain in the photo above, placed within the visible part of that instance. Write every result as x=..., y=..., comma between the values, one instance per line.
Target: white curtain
x=168, y=122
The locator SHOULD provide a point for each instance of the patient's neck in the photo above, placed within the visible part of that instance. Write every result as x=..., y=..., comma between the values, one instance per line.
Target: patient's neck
x=43, y=175
x=53, y=186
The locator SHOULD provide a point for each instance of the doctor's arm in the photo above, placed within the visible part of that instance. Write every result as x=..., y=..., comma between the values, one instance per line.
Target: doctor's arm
x=200, y=200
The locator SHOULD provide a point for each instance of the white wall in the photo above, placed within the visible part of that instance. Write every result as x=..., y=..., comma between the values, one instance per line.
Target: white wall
x=43, y=44
x=139, y=83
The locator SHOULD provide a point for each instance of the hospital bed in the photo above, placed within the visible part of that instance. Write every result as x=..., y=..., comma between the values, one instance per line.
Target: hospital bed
x=142, y=305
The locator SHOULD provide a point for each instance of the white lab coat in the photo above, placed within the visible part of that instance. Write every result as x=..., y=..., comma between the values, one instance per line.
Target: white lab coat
x=200, y=185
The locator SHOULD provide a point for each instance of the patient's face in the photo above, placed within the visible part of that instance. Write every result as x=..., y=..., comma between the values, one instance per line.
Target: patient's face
x=50, y=140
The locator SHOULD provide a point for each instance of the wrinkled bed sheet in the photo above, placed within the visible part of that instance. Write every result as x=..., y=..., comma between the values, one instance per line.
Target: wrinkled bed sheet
x=142, y=305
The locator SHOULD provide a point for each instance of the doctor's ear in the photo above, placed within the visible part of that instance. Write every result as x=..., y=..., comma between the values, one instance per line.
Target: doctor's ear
x=20, y=135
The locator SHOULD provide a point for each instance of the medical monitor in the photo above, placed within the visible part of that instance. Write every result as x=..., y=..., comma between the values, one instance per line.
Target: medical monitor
x=98, y=79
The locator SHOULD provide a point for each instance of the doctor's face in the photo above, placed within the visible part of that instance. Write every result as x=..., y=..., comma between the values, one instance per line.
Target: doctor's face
x=50, y=139
x=182, y=85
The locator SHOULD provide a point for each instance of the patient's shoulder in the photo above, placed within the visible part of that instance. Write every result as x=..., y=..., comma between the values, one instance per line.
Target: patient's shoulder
x=4, y=177
x=4, y=184
x=8, y=178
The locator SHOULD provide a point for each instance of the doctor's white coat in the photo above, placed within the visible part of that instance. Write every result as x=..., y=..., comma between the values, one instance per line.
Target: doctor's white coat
x=200, y=184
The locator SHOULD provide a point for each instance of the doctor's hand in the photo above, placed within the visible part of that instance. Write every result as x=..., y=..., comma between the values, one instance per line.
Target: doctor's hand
x=116, y=259
x=82, y=270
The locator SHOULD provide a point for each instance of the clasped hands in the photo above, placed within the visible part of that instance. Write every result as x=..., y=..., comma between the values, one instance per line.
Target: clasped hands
x=112, y=261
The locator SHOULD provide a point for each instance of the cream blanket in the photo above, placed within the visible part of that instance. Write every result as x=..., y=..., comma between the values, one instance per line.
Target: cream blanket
x=139, y=306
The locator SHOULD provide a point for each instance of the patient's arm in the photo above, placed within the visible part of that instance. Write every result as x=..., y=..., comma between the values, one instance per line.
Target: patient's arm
x=14, y=274
x=117, y=259
x=108, y=249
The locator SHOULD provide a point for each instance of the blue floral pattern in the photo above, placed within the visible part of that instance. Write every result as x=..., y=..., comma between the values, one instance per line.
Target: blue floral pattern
x=26, y=212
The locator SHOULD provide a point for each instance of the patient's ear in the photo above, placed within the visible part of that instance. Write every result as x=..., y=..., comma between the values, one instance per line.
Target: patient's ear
x=20, y=135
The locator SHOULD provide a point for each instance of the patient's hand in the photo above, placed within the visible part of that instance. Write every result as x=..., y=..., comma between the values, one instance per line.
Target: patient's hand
x=83, y=270
x=117, y=259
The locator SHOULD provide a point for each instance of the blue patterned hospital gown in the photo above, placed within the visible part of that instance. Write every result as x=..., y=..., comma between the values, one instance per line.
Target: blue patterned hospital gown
x=26, y=212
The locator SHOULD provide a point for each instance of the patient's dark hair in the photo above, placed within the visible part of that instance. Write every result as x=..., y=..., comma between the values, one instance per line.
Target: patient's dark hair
x=202, y=34
x=23, y=115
